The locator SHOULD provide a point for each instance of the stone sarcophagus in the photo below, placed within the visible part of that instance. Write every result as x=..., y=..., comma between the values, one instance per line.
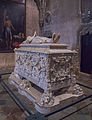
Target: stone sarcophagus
x=45, y=73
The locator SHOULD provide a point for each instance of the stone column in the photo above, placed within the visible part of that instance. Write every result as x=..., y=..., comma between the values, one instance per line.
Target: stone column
x=32, y=18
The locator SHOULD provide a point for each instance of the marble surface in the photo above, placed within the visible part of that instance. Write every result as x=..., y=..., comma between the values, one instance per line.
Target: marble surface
x=52, y=70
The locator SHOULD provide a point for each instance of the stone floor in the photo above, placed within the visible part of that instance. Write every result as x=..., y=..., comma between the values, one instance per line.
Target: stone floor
x=9, y=110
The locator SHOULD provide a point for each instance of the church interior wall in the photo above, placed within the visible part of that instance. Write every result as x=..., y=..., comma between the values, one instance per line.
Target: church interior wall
x=65, y=19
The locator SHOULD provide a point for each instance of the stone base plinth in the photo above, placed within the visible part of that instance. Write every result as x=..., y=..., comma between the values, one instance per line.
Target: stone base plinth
x=34, y=94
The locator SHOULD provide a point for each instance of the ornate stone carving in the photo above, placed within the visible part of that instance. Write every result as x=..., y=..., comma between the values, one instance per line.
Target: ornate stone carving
x=51, y=67
x=47, y=99
x=77, y=90
x=76, y=63
x=32, y=65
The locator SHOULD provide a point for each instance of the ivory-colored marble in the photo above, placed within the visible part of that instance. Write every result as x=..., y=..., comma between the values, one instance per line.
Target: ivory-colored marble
x=45, y=74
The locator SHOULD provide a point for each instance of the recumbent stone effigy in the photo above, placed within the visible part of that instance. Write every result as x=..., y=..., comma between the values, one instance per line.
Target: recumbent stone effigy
x=45, y=72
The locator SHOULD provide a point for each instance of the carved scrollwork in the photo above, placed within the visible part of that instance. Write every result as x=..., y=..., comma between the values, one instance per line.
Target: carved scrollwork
x=61, y=68
x=47, y=71
x=47, y=99
x=77, y=90
x=24, y=84
x=76, y=63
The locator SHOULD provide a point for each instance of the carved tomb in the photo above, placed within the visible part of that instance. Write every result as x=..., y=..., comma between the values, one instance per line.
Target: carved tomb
x=45, y=73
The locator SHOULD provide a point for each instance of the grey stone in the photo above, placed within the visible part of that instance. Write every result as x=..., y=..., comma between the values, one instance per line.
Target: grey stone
x=51, y=69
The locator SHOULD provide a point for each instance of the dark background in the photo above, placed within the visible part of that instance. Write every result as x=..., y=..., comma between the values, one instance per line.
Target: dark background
x=86, y=56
